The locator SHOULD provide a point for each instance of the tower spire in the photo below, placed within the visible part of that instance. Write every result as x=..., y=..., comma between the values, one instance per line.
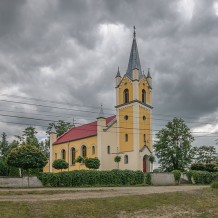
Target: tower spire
x=134, y=61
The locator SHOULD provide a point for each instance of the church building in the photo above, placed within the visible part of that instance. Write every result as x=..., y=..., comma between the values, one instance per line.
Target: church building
x=127, y=134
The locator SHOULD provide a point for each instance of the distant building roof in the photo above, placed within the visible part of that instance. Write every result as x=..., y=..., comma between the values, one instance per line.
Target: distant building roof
x=79, y=132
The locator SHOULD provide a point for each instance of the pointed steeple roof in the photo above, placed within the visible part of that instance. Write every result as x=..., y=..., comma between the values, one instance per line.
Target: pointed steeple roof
x=118, y=73
x=148, y=75
x=101, y=113
x=134, y=61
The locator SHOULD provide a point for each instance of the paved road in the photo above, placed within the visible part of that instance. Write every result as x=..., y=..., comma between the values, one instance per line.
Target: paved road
x=84, y=193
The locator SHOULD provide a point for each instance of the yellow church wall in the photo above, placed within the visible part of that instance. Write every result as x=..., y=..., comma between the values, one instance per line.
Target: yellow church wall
x=145, y=127
x=125, y=84
x=126, y=127
x=144, y=85
x=88, y=142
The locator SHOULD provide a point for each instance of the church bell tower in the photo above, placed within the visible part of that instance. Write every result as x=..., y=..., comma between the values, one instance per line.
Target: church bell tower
x=133, y=108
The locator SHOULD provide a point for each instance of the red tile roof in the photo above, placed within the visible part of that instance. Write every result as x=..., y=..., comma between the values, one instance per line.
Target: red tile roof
x=80, y=132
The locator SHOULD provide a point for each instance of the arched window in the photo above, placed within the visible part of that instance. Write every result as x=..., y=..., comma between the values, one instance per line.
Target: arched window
x=108, y=149
x=63, y=154
x=126, y=137
x=73, y=155
x=126, y=159
x=126, y=117
x=143, y=96
x=93, y=149
x=84, y=151
x=126, y=96
x=56, y=156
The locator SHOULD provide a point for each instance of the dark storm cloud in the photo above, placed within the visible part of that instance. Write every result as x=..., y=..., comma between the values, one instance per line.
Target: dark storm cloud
x=69, y=51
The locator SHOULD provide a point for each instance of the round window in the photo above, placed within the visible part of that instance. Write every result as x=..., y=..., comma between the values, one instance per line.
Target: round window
x=125, y=117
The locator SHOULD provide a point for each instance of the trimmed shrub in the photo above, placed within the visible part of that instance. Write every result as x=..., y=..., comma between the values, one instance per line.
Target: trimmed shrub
x=92, y=163
x=60, y=164
x=177, y=175
x=202, y=177
x=214, y=184
x=148, y=178
x=210, y=167
x=92, y=178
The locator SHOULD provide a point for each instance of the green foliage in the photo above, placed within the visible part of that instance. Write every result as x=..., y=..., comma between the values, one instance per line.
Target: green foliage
x=148, y=178
x=3, y=168
x=151, y=158
x=117, y=159
x=61, y=127
x=205, y=154
x=13, y=171
x=92, y=163
x=26, y=157
x=92, y=178
x=214, y=184
x=173, y=146
x=79, y=159
x=210, y=167
x=60, y=164
x=202, y=177
x=3, y=144
x=177, y=175
x=30, y=135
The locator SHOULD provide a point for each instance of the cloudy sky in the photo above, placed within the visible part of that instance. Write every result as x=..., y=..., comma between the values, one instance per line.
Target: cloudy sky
x=58, y=60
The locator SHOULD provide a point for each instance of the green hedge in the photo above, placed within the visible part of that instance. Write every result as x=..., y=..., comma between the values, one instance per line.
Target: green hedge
x=92, y=178
x=202, y=177
x=210, y=167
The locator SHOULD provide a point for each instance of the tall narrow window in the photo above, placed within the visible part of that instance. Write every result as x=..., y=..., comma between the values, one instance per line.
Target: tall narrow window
x=73, y=155
x=143, y=96
x=126, y=159
x=56, y=156
x=126, y=96
x=126, y=137
x=144, y=138
x=63, y=154
x=108, y=149
x=84, y=151
x=93, y=149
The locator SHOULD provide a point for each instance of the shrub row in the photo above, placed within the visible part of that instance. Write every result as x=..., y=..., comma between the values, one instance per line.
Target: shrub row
x=210, y=167
x=201, y=177
x=92, y=178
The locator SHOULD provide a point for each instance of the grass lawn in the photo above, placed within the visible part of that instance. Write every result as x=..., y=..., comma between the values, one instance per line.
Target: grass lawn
x=200, y=203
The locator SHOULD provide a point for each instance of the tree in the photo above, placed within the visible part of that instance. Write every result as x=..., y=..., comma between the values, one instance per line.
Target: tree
x=173, y=146
x=3, y=144
x=3, y=167
x=61, y=127
x=205, y=154
x=30, y=135
x=92, y=163
x=117, y=159
x=26, y=157
x=60, y=164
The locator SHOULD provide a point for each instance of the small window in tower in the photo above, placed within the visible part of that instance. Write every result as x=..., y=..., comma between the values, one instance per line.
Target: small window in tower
x=108, y=149
x=126, y=96
x=126, y=159
x=93, y=149
x=126, y=117
x=144, y=117
x=126, y=137
x=144, y=137
x=56, y=156
x=143, y=96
